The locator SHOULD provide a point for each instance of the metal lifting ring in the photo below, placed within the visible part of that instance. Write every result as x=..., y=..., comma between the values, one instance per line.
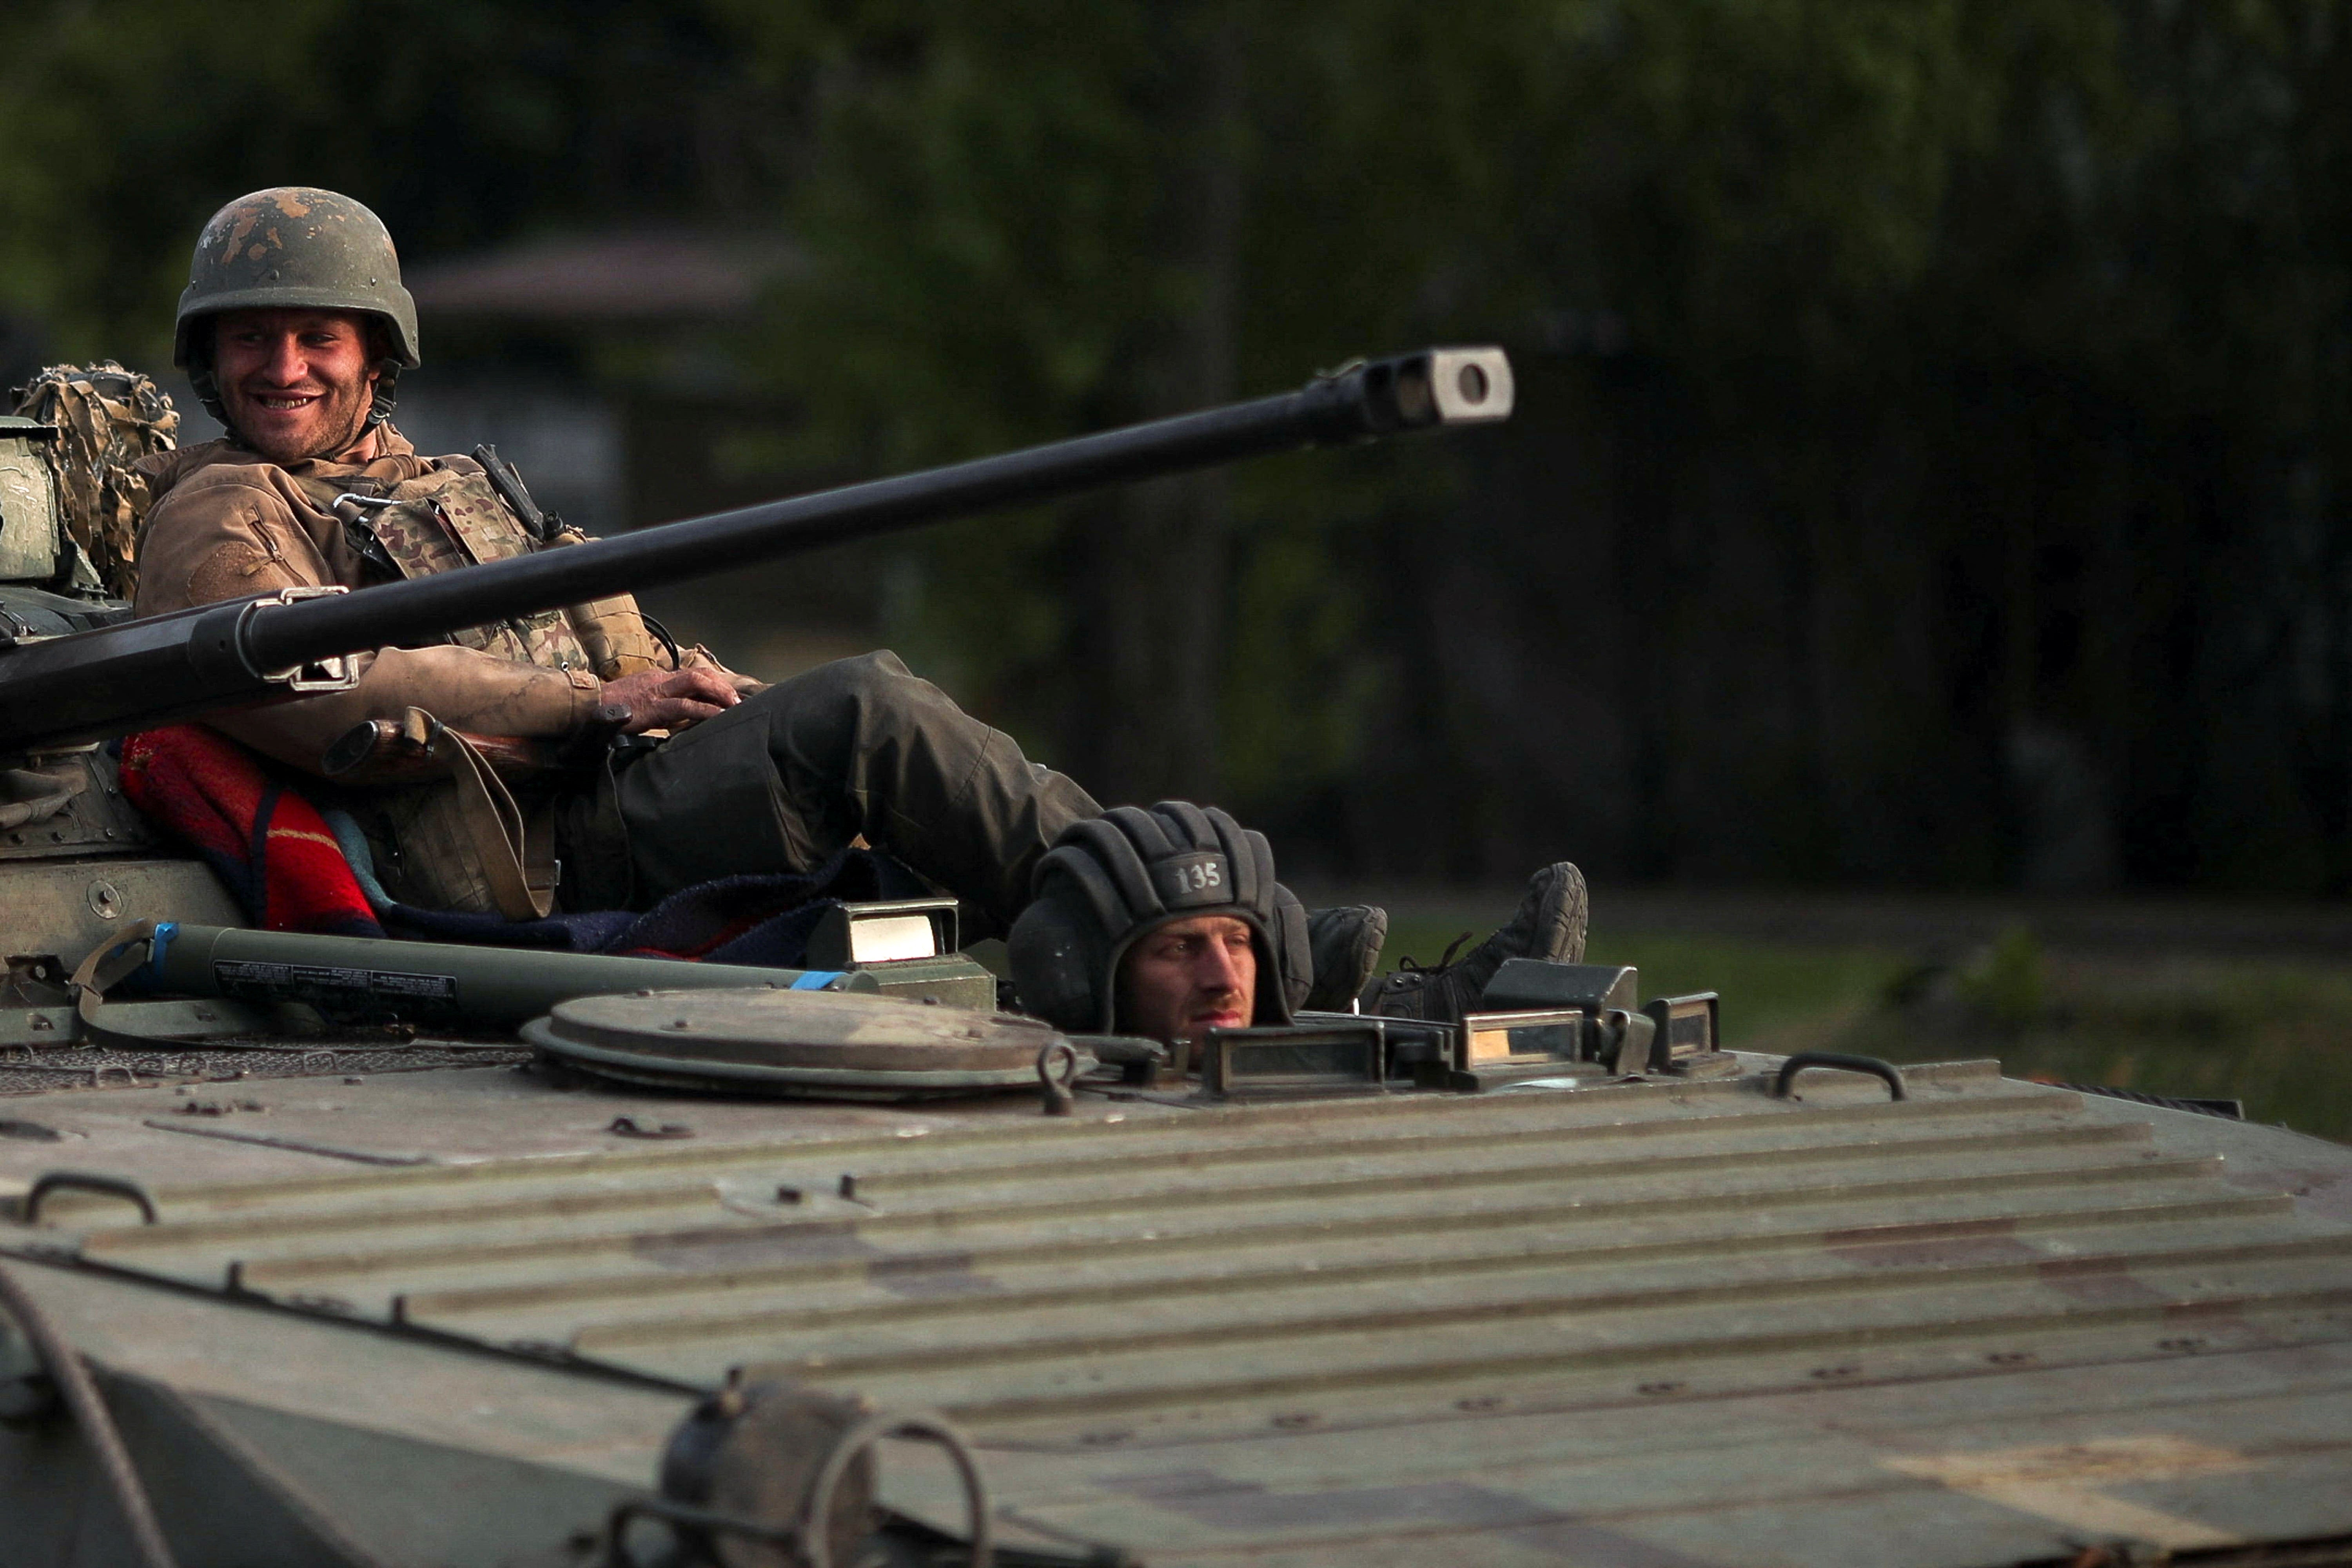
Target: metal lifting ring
x=1884, y=1072
x=816, y=1551
x=807, y=1536
x=1057, y=1070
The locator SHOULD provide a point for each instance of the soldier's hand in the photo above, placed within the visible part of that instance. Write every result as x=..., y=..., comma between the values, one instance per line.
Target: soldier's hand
x=698, y=658
x=670, y=699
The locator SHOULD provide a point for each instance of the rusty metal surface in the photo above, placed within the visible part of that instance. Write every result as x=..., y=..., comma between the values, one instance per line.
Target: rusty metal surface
x=1649, y=1325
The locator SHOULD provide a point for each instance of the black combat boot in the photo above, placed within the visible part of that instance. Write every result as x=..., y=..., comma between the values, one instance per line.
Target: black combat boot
x=1550, y=925
x=1345, y=941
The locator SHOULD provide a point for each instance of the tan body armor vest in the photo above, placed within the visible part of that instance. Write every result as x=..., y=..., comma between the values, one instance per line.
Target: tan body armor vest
x=465, y=843
x=452, y=518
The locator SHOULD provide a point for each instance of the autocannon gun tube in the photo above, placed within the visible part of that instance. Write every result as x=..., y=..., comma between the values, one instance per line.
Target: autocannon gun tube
x=1434, y=387
x=63, y=691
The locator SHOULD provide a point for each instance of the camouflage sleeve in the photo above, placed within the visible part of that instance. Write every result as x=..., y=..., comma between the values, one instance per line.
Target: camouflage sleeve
x=219, y=538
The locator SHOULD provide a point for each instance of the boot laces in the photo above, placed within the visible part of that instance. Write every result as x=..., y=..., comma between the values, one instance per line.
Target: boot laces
x=1431, y=971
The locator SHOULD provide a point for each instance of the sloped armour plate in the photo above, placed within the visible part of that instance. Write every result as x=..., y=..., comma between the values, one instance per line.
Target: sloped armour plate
x=760, y=1040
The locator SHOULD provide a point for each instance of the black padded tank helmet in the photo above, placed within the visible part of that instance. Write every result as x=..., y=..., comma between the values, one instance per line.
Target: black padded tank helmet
x=1112, y=879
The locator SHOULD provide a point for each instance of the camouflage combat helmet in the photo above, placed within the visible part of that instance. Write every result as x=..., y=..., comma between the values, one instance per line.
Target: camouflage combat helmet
x=1112, y=879
x=295, y=246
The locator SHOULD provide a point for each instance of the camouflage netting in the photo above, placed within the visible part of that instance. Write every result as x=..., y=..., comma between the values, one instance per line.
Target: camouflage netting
x=108, y=418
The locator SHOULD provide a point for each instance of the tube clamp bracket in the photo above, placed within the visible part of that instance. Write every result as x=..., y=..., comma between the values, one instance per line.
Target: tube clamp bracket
x=334, y=673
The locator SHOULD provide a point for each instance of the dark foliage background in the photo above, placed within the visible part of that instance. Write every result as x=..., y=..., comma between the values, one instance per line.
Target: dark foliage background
x=1933, y=452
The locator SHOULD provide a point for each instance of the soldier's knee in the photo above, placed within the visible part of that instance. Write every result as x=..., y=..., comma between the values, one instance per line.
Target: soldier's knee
x=880, y=674
x=871, y=693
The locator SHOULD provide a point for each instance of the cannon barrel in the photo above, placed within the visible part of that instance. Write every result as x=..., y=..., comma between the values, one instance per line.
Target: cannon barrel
x=86, y=686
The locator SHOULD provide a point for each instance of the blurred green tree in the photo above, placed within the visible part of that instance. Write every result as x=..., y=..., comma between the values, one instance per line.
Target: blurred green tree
x=1028, y=216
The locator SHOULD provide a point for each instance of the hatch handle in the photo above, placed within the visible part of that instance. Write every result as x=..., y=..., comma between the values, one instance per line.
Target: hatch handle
x=1883, y=1071
x=87, y=1182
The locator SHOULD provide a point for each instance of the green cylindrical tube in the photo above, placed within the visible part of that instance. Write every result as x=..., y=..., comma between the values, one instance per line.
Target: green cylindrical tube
x=431, y=982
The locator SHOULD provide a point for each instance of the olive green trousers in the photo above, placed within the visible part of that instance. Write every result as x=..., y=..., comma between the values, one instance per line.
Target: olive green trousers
x=789, y=776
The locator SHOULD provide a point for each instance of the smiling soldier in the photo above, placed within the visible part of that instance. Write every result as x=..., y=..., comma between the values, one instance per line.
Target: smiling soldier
x=294, y=330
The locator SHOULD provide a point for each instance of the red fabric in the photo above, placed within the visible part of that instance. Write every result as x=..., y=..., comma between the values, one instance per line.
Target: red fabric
x=267, y=842
x=276, y=853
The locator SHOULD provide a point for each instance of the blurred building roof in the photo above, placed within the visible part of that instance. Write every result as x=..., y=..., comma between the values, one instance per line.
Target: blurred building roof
x=630, y=276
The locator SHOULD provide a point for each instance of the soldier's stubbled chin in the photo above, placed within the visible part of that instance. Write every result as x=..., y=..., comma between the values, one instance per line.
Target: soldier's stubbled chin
x=340, y=423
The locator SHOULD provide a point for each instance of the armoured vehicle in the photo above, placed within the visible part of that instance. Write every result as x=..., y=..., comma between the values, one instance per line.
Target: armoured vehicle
x=589, y=1268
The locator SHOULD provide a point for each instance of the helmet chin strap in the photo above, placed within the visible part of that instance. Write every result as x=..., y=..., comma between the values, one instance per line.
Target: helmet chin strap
x=387, y=373
x=207, y=390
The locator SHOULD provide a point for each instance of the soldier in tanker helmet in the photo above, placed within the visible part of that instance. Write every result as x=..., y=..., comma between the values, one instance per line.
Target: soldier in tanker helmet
x=1162, y=922
x=1169, y=922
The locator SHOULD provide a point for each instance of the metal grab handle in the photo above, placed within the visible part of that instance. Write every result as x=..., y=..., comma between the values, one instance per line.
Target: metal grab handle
x=807, y=1536
x=1883, y=1071
x=87, y=1182
x=816, y=1508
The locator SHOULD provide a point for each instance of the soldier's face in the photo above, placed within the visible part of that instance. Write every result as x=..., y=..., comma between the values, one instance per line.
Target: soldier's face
x=297, y=383
x=1187, y=977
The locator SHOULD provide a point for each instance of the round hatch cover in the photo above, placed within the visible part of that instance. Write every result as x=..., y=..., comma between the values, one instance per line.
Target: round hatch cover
x=760, y=1040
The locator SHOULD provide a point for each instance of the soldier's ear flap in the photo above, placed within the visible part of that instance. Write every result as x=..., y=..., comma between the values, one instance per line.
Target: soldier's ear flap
x=1058, y=964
